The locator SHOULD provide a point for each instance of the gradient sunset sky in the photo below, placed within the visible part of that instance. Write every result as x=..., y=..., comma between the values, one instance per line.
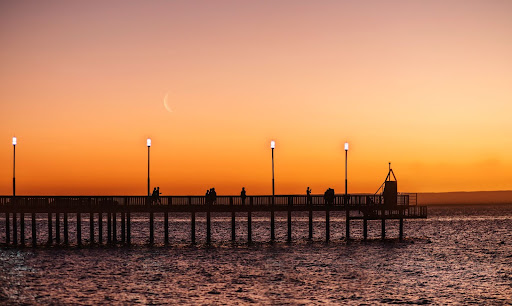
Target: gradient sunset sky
x=426, y=85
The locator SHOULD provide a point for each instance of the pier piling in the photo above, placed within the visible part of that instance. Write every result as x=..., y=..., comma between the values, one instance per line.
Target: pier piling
x=109, y=228
x=114, y=227
x=128, y=229
x=365, y=228
x=383, y=229
x=289, y=238
x=91, y=227
x=34, y=230
x=66, y=229
x=57, y=228
x=14, y=229
x=347, y=225
x=327, y=226
x=272, y=225
x=401, y=230
x=310, y=224
x=100, y=228
x=208, y=228
x=193, y=227
x=79, y=229
x=166, y=228
x=151, y=228
x=7, y=229
x=50, y=229
x=123, y=227
x=233, y=234
x=22, y=229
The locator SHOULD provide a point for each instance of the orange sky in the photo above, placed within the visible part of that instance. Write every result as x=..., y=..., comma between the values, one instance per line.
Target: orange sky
x=426, y=85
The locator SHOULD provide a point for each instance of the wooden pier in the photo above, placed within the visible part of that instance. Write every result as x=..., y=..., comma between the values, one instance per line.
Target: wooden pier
x=88, y=208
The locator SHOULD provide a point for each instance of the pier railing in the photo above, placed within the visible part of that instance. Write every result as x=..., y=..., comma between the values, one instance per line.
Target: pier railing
x=352, y=200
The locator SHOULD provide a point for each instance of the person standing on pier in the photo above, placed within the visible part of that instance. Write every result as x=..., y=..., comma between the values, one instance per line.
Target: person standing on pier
x=243, y=195
x=213, y=196
x=157, y=194
x=153, y=196
x=207, y=197
x=308, y=197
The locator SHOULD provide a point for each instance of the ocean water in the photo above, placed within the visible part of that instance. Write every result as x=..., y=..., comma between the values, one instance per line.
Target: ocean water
x=459, y=255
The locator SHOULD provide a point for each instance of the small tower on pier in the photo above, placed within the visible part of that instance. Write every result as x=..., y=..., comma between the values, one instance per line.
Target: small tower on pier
x=389, y=189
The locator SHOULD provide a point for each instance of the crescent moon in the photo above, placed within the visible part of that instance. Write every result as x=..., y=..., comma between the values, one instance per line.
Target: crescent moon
x=166, y=105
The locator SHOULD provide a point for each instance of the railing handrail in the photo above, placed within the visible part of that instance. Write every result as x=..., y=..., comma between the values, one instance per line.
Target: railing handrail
x=279, y=200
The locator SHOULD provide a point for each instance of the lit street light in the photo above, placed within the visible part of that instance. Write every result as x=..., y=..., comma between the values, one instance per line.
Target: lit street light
x=346, y=156
x=272, y=233
x=148, y=143
x=14, y=141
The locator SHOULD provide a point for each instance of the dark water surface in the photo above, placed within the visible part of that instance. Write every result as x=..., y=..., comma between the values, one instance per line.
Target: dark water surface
x=460, y=255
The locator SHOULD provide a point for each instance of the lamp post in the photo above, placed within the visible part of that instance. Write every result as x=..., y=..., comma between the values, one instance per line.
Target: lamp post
x=148, y=143
x=272, y=146
x=346, y=156
x=14, y=141
x=272, y=222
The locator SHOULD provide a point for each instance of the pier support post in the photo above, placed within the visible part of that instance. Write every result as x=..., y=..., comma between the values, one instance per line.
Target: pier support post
x=347, y=224
x=100, y=228
x=114, y=227
x=34, y=230
x=249, y=221
x=310, y=224
x=383, y=229
x=7, y=229
x=123, y=227
x=14, y=229
x=166, y=228
x=109, y=228
x=57, y=228
x=91, y=227
x=22, y=229
x=193, y=227
x=151, y=228
x=208, y=229
x=289, y=238
x=365, y=229
x=50, y=230
x=233, y=234
x=327, y=226
x=272, y=224
x=79, y=229
x=66, y=229
x=128, y=229
x=401, y=234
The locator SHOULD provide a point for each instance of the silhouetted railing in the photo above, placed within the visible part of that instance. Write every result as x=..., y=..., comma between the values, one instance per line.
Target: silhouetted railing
x=354, y=200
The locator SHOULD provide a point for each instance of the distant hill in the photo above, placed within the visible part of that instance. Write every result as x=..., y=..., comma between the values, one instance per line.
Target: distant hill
x=471, y=197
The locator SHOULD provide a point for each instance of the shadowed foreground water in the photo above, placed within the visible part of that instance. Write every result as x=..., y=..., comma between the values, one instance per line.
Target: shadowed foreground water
x=459, y=255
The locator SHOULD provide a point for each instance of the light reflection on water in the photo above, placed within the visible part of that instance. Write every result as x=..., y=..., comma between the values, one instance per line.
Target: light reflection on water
x=459, y=255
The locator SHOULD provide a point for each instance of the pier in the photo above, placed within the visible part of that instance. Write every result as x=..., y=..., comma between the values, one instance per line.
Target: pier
x=15, y=210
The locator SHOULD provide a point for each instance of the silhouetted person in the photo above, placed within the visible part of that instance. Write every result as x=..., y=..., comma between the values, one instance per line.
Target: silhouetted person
x=243, y=195
x=213, y=196
x=329, y=196
x=153, y=196
x=308, y=197
x=207, y=197
x=157, y=195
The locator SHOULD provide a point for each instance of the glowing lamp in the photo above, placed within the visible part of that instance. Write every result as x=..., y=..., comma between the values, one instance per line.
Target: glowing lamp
x=14, y=141
x=149, y=142
x=346, y=146
x=272, y=144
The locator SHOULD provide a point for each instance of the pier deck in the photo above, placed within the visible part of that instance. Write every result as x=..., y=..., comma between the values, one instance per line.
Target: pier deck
x=356, y=206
